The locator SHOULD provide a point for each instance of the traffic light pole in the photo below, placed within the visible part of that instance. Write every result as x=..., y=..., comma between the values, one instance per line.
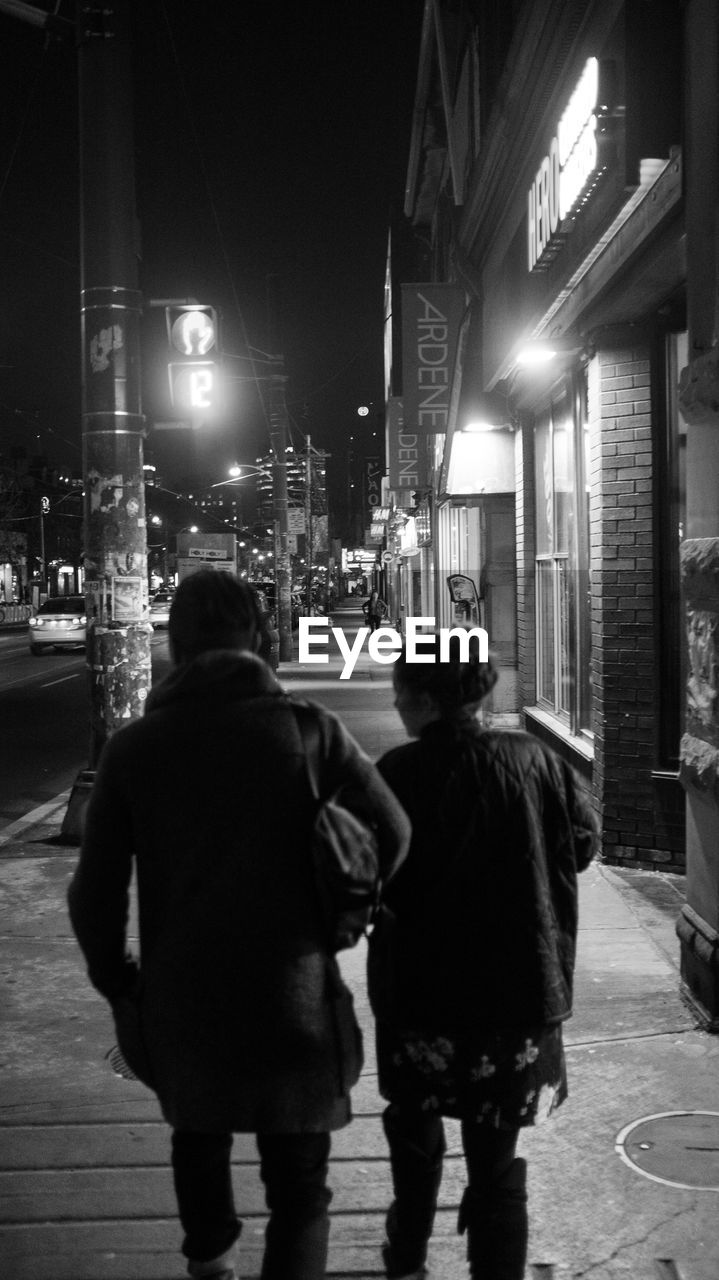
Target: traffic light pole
x=280, y=504
x=115, y=534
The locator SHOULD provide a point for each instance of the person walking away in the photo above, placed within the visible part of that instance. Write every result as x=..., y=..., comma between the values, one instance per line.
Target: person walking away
x=471, y=961
x=375, y=610
x=236, y=1015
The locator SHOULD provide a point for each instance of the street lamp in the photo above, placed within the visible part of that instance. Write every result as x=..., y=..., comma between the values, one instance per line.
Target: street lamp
x=244, y=471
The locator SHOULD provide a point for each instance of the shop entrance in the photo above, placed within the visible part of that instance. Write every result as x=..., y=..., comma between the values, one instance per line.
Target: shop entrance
x=498, y=577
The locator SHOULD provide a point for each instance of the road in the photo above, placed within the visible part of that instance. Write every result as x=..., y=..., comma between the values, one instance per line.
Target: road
x=44, y=733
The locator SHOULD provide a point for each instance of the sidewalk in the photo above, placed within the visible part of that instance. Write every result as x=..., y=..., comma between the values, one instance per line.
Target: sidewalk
x=85, y=1184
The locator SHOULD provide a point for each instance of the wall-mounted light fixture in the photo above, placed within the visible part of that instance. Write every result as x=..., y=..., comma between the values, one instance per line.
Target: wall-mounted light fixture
x=540, y=352
x=479, y=425
x=536, y=353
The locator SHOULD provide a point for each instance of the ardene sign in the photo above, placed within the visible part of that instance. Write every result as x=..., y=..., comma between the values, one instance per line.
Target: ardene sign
x=560, y=183
x=431, y=316
x=406, y=450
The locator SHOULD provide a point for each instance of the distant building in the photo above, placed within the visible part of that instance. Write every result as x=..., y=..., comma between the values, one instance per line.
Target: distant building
x=296, y=482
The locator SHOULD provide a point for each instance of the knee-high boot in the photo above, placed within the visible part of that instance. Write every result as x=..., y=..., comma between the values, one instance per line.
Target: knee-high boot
x=416, y=1176
x=497, y=1226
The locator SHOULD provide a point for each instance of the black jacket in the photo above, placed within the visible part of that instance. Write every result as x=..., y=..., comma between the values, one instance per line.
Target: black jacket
x=485, y=905
x=245, y=1020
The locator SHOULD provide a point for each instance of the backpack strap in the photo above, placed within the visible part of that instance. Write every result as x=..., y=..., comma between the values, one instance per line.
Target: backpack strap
x=309, y=730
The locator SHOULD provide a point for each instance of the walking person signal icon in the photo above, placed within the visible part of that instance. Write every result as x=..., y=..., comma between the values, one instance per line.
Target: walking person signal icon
x=192, y=333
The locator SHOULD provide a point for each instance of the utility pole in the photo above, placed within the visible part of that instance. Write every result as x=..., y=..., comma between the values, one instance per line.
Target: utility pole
x=280, y=503
x=115, y=550
x=115, y=536
x=44, y=508
x=308, y=526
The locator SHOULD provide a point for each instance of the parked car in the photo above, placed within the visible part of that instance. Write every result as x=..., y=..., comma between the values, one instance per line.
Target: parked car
x=60, y=623
x=160, y=608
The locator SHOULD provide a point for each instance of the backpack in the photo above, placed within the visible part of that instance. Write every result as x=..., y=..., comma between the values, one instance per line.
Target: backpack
x=345, y=852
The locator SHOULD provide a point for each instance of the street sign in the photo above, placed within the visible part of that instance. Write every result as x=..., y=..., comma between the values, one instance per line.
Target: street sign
x=387, y=556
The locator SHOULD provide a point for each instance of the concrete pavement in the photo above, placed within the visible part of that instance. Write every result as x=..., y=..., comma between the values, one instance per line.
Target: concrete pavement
x=85, y=1184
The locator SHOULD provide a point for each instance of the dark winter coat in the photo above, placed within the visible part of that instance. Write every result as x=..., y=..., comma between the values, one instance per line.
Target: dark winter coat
x=485, y=904
x=244, y=1019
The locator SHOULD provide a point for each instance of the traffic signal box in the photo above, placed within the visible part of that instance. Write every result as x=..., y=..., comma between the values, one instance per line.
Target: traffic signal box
x=192, y=336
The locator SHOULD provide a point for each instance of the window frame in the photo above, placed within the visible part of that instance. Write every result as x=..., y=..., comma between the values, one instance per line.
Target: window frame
x=567, y=696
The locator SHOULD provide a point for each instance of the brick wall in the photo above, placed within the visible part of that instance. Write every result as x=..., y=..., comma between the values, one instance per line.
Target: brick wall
x=526, y=640
x=641, y=821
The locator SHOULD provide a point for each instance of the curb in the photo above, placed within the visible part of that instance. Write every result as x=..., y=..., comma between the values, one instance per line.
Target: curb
x=49, y=814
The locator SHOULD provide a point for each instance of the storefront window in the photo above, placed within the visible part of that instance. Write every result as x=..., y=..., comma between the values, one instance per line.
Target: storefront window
x=562, y=514
x=671, y=519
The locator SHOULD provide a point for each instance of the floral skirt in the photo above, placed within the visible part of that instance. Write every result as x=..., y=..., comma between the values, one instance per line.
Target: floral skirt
x=501, y=1078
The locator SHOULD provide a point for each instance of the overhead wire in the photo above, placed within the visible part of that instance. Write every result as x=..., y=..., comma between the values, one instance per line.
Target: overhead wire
x=23, y=122
x=256, y=376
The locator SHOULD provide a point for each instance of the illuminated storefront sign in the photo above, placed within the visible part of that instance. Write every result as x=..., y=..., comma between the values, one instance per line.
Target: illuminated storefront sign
x=406, y=450
x=562, y=178
x=372, y=486
x=431, y=316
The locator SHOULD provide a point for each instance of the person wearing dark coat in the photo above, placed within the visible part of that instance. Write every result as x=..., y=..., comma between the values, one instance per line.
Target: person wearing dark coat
x=235, y=1014
x=471, y=962
x=375, y=610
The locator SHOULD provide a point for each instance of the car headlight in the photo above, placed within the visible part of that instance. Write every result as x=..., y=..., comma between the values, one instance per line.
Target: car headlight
x=36, y=622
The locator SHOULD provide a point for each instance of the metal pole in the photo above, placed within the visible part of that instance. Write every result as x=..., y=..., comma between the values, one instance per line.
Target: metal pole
x=43, y=575
x=280, y=505
x=115, y=535
x=308, y=529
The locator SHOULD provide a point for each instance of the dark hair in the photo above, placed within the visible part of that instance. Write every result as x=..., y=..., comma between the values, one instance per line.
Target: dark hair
x=213, y=610
x=455, y=686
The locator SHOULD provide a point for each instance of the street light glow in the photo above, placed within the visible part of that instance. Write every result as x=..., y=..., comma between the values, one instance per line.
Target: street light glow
x=536, y=353
x=244, y=472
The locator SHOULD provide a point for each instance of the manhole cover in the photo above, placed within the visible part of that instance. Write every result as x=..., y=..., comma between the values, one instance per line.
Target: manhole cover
x=678, y=1148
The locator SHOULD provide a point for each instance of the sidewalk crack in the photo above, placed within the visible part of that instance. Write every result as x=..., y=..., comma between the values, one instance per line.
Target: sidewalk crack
x=629, y=1244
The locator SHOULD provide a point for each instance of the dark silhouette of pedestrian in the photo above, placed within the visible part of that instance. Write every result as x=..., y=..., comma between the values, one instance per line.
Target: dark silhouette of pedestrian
x=471, y=974
x=375, y=610
x=236, y=1014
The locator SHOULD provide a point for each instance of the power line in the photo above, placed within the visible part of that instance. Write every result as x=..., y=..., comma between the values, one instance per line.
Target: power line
x=213, y=209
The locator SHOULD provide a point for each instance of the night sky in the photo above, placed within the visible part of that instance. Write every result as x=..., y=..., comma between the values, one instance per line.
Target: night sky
x=272, y=143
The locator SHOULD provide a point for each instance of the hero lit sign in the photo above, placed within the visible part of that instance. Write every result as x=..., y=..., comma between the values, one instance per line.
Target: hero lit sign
x=561, y=180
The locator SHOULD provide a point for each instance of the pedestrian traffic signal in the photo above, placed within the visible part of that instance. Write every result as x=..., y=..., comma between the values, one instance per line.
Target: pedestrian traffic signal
x=192, y=335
